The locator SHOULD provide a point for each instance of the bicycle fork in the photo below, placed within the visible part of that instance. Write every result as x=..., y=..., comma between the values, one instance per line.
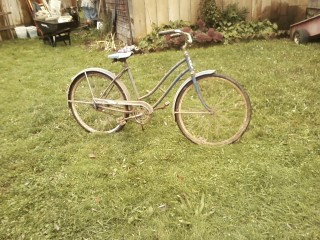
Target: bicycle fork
x=194, y=81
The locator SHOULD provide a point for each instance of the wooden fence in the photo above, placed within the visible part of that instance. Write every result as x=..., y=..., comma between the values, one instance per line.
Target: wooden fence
x=137, y=16
x=271, y=9
x=145, y=12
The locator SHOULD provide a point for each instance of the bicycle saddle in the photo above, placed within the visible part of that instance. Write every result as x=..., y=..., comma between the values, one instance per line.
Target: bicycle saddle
x=119, y=56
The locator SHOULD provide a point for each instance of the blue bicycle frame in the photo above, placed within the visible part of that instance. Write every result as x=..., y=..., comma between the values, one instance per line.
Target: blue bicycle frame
x=190, y=69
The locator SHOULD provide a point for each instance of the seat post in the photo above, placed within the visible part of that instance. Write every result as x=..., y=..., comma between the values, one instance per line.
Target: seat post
x=133, y=83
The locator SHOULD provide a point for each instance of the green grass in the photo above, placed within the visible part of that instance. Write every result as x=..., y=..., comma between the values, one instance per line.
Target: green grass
x=59, y=182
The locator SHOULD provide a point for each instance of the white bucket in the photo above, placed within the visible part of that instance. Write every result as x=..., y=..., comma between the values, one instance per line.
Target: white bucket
x=21, y=32
x=99, y=25
x=32, y=32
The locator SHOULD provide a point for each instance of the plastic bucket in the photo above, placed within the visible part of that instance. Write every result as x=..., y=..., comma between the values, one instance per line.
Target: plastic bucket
x=32, y=32
x=21, y=32
x=99, y=25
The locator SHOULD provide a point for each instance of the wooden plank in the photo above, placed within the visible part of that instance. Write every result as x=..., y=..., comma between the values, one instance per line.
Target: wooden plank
x=185, y=10
x=225, y=3
x=151, y=14
x=162, y=11
x=138, y=18
x=16, y=18
x=194, y=10
x=4, y=13
x=284, y=7
x=246, y=4
x=283, y=20
x=7, y=25
x=7, y=28
x=219, y=3
x=314, y=4
x=266, y=9
x=256, y=13
x=228, y=2
x=299, y=2
x=275, y=9
x=174, y=10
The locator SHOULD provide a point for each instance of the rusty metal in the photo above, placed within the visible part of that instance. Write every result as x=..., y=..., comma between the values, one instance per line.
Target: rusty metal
x=310, y=25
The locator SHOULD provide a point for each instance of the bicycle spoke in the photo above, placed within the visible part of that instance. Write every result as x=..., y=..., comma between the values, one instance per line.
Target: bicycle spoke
x=90, y=114
x=229, y=118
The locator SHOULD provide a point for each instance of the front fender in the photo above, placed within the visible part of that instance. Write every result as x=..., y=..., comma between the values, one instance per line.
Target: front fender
x=105, y=72
x=200, y=74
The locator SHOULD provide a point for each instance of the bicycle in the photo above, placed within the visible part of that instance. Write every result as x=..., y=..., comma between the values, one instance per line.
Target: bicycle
x=209, y=108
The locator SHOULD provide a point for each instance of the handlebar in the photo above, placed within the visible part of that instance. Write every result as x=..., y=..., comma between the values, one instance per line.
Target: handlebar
x=176, y=33
x=166, y=32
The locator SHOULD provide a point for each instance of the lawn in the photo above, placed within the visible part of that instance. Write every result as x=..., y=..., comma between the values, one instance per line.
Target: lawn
x=59, y=182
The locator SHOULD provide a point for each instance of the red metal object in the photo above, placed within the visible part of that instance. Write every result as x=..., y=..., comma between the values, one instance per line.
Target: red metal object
x=306, y=29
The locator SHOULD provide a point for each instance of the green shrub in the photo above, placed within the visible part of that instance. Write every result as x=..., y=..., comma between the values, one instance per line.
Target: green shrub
x=200, y=33
x=213, y=26
x=233, y=14
x=154, y=42
x=248, y=30
x=231, y=22
x=210, y=13
x=214, y=17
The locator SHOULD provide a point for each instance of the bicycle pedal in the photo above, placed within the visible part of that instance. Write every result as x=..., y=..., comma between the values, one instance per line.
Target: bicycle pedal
x=166, y=104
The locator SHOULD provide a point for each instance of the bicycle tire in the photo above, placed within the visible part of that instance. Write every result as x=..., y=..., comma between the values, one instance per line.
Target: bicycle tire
x=230, y=116
x=91, y=116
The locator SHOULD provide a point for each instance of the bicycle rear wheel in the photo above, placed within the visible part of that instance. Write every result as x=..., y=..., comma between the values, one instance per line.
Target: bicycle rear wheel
x=230, y=115
x=94, y=117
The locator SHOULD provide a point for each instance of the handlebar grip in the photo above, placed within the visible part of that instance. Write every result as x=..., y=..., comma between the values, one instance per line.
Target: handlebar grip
x=166, y=32
x=175, y=35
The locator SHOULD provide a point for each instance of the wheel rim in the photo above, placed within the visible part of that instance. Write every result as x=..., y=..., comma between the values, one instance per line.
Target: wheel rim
x=229, y=119
x=90, y=116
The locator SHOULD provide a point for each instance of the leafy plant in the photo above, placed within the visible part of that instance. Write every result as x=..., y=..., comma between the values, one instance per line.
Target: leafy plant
x=210, y=13
x=154, y=42
x=248, y=30
x=231, y=22
x=233, y=14
x=213, y=16
x=200, y=33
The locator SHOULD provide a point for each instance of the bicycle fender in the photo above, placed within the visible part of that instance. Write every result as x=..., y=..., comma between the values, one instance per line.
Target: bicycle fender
x=199, y=74
x=101, y=70
x=105, y=72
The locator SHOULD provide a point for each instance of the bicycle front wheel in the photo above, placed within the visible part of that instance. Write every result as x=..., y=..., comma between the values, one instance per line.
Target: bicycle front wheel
x=92, y=116
x=229, y=115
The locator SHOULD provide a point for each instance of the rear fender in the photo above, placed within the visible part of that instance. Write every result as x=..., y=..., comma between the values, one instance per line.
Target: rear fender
x=105, y=72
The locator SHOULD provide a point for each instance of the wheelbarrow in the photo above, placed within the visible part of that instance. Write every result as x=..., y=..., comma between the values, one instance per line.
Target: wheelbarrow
x=306, y=30
x=53, y=31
